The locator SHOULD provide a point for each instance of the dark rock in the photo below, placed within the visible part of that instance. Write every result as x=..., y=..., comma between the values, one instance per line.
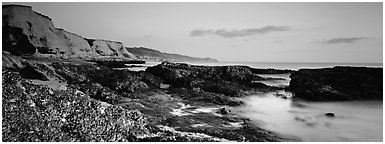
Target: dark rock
x=118, y=80
x=338, y=83
x=183, y=74
x=32, y=73
x=224, y=111
x=329, y=114
x=233, y=81
x=270, y=71
x=204, y=96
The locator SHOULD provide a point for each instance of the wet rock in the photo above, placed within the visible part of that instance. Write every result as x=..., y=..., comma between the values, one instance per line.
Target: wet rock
x=338, y=83
x=329, y=114
x=64, y=116
x=183, y=74
x=233, y=81
x=118, y=80
x=32, y=73
x=224, y=111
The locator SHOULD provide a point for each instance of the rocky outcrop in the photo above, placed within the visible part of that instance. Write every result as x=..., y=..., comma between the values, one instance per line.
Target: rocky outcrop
x=338, y=83
x=231, y=81
x=11, y=61
x=28, y=32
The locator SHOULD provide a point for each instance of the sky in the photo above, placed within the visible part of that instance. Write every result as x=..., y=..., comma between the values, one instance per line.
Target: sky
x=242, y=32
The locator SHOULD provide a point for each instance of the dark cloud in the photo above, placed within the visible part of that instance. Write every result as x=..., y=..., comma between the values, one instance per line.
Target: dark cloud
x=344, y=40
x=238, y=33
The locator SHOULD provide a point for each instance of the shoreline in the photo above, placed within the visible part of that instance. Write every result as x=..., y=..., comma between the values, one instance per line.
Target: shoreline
x=140, y=92
x=187, y=102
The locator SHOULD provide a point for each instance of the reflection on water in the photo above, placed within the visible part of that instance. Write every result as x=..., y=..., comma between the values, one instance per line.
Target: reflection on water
x=353, y=121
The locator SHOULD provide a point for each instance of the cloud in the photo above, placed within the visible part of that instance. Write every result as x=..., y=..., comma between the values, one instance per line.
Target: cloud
x=344, y=40
x=278, y=41
x=238, y=33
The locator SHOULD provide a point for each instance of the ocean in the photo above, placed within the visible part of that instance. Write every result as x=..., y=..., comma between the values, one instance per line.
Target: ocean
x=288, y=65
x=275, y=65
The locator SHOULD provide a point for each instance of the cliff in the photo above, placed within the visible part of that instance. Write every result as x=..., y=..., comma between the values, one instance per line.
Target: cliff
x=28, y=32
x=154, y=55
x=109, y=48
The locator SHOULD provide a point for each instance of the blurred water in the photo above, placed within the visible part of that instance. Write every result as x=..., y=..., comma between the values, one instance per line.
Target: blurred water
x=353, y=121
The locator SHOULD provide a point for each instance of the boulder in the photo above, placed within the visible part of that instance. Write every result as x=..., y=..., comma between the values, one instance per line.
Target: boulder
x=224, y=111
x=329, y=114
x=30, y=72
x=338, y=83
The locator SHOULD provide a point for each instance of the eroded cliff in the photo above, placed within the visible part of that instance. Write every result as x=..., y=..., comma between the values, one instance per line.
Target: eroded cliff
x=28, y=32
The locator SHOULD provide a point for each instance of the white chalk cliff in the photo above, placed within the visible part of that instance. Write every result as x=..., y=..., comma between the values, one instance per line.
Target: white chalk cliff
x=110, y=48
x=39, y=30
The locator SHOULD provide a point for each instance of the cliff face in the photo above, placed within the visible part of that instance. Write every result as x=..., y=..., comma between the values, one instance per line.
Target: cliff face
x=39, y=29
x=77, y=45
x=154, y=55
x=109, y=48
x=27, y=32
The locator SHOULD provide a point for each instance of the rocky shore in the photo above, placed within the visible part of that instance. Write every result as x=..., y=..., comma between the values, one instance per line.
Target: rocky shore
x=82, y=101
x=69, y=101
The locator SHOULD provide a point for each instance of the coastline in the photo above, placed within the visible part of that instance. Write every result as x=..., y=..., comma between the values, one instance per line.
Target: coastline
x=193, y=103
x=132, y=91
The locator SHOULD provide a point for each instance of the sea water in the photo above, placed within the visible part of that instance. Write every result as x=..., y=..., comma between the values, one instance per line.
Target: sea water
x=263, y=65
x=286, y=65
x=353, y=120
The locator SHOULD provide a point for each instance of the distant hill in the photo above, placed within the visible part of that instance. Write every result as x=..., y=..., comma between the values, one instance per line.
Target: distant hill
x=155, y=55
